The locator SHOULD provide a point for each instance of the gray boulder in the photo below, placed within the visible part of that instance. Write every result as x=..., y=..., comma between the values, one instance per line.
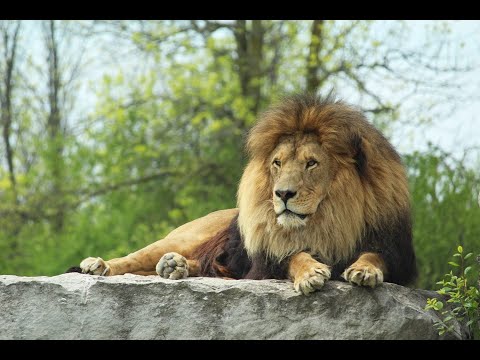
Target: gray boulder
x=76, y=306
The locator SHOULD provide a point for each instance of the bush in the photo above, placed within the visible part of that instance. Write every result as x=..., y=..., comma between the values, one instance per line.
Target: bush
x=462, y=297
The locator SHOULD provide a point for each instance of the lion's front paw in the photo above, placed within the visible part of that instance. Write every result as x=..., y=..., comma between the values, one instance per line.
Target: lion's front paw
x=363, y=274
x=312, y=279
x=172, y=266
x=94, y=266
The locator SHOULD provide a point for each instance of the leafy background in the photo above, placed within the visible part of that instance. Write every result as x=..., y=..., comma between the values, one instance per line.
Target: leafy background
x=116, y=132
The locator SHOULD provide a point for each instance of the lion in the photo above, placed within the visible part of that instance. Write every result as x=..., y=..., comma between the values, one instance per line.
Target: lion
x=324, y=196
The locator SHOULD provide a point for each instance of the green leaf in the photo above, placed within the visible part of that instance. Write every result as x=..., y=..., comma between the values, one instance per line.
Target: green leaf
x=438, y=305
x=457, y=255
x=468, y=255
x=460, y=249
x=140, y=149
x=467, y=270
x=453, y=263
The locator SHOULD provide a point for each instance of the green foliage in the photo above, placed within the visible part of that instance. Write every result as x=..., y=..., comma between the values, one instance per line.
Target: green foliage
x=444, y=199
x=462, y=299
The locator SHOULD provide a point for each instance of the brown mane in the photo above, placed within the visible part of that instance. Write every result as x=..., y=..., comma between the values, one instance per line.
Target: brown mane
x=370, y=185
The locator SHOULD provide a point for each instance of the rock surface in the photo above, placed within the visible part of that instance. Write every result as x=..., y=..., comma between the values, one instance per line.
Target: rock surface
x=76, y=306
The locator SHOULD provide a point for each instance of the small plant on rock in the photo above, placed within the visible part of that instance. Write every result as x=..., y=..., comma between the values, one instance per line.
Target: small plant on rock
x=462, y=297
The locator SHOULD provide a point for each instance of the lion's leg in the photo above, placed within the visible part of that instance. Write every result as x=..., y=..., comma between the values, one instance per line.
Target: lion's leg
x=368, y=270
x=307, y=273
x=194, y=268
x=142, y=261
x=183, y=240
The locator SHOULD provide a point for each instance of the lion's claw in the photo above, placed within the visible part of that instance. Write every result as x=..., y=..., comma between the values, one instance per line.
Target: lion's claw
x=94, y=266
x=364, y=275
x=313, y=279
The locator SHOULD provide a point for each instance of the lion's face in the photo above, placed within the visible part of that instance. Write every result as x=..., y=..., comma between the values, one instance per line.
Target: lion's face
x=302, y=172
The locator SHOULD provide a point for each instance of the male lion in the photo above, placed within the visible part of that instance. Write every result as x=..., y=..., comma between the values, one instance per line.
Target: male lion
x=323, y=195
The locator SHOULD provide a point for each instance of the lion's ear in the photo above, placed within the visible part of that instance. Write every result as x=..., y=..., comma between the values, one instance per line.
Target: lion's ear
x=359, y=153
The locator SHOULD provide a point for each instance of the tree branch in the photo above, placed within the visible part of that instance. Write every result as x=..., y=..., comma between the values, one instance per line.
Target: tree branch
x=103, y=189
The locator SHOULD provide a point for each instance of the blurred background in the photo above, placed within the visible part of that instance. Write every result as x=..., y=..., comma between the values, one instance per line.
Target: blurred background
x=113, y=133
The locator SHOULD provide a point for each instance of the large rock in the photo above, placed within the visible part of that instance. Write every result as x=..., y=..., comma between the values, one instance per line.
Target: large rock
x=76, y=306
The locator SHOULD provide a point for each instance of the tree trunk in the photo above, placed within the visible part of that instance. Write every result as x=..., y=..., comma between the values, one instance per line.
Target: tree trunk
x=240, y=33
x=249, y=60
x=313, y=60
x=10, y=42
x=54, y=123
x=255, y=63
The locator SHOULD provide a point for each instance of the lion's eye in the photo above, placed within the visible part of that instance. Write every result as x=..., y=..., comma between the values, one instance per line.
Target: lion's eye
x=311, y=163
x=277, y=162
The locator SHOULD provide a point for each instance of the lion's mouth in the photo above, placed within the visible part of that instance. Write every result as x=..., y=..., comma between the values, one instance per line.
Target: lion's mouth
x=288, y=212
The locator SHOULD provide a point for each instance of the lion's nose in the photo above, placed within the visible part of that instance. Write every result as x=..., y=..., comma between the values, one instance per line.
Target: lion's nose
x=285, y=194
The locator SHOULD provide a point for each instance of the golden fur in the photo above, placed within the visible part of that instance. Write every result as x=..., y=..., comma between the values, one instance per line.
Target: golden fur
x=183, y=240
x=351, y=201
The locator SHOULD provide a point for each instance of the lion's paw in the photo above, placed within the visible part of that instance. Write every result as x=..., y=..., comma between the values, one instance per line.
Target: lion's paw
x=363, y=274
x=312, y=279
x=172, y=266
x=94, y=266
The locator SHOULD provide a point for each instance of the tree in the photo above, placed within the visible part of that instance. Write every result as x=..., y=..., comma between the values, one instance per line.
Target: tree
x=55, y=125
x=9, y=32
